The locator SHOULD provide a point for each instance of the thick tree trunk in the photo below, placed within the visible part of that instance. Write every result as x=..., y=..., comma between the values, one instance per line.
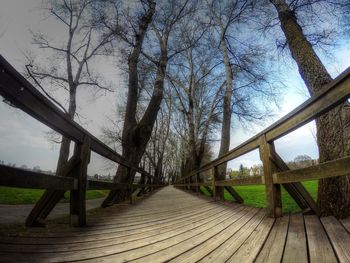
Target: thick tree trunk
x=135, y=135
x=65, y=144
x=332, y=128
x=226, y=118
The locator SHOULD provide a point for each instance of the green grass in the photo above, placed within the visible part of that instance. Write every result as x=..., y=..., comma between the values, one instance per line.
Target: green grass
x=254, y=195
x=10, y=195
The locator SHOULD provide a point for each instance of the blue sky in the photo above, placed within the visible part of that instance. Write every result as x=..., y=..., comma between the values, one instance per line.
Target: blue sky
x=22, y=139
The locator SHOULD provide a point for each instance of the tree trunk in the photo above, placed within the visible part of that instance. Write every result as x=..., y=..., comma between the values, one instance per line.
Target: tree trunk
x=135, y=135
x=65, y=144
x=333, y=127
x=226, y=118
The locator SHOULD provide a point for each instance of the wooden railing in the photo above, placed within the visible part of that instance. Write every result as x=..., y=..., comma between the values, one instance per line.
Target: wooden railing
x=276, y=172
x=16, y=90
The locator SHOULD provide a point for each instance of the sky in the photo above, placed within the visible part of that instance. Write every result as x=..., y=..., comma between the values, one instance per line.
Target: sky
x=23, y=139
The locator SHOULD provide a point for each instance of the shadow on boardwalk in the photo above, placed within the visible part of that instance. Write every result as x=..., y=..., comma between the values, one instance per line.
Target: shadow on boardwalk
x=17, y=214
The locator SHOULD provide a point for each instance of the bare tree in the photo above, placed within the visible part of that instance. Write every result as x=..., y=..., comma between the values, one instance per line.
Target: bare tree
x=69, y=62
x=162, y=20
x=244, y=72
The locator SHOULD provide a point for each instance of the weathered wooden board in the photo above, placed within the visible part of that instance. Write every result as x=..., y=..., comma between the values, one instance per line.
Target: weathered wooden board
x=296, y=247
x=339, y=167
x=339, y=237
x=15, y=177
x=320, y=248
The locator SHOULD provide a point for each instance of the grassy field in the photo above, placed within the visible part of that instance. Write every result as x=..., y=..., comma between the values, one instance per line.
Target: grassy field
x=9, y=195
x=254, y=195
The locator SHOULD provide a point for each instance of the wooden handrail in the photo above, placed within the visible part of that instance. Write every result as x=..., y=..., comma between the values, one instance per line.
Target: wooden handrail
x=276, y=171
x=22, y=94
x=328, y=97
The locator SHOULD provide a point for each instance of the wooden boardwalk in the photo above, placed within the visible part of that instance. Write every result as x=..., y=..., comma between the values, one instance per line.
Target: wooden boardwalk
x=172, y=225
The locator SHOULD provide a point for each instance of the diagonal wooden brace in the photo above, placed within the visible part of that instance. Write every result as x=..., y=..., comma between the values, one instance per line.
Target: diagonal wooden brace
x=296, y=190
x=50, y=198
x=234, y=194
x=75, y=167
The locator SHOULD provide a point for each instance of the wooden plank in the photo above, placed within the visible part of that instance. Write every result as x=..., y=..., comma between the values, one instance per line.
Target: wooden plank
x=251, y=247
x=231, y=245
x=296, y=248
x=215, y=241
x=293, y=192
x=296, y=190
x=272, y=251
x=252, y=180
x=273, y=191
x=339, y=237
x=21, y=93
x=306, y=196
x=188, y=244
x=346, y=223
x=214, y=176
x=234, y=194
x=78, y=196
x=339, y=167
x=50, y=198
x=209, y=190
x=100, y=185
x=330, y=96
x=15, y=177
x=238, y=151
x=320, y=249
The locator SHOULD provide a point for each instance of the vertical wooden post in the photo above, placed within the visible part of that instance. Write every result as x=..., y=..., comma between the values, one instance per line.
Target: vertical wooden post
x=273, y=191
x=197, y=186
x=78, y=196
x=152, y=182
x=188, y=183
x=130, y=184
x=214, y=175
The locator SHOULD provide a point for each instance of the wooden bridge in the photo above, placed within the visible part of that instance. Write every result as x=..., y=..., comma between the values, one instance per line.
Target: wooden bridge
x=172, y=225
x=176, y=223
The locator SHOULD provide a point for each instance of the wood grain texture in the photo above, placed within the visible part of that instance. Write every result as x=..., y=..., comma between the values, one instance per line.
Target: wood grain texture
x=178, y=226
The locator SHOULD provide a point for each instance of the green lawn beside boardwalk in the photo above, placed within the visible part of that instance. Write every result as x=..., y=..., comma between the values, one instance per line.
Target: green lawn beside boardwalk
x=15, y=196
x=254, y=195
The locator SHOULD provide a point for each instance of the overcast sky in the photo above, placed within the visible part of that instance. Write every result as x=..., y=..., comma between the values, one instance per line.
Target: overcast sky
x=22, y=139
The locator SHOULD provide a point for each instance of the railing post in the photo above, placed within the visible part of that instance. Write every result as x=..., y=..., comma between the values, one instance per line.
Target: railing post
x=152, y=182
x=130, y=184
x=214, y=175
x=78, y=196
x=189, y=183
x=273, y=191
x=196, y=178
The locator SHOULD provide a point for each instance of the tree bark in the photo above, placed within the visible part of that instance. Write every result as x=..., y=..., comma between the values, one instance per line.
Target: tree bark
x=226, y=118
x=136, y=135
x=333, y=127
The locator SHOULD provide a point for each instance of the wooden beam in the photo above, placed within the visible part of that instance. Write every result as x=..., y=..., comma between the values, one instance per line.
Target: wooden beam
x=15, y=177
x=50, y=198
x=214, y=175
x=234, y=194
x=273, y=191
x=254, y=180
x=210, y=191
x=339, y=167
x=330, y=96
x=100, y=185
x=78, y=196
x=296, y=190
x=22, y=94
